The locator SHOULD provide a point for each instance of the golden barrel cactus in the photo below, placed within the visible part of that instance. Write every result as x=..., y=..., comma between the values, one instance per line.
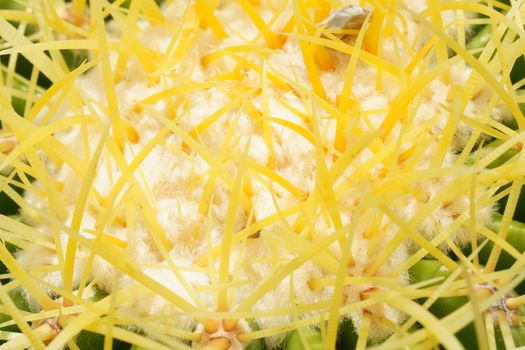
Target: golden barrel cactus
x=231, y=174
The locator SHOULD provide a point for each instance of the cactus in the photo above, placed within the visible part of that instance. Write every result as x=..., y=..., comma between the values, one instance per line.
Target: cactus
x=256, y=174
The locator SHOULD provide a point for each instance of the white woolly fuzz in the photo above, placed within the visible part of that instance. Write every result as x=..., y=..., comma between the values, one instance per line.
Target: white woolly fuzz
x=183, y=283
x=451, y=217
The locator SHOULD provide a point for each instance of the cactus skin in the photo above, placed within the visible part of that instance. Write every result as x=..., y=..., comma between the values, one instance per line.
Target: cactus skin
x=256, y=345
x=16, y=295
x=482, y=38
x=444, y=306
x=516, y=238
x=312, y=336
x=427, y=269
x=17, y=102
x=88, y=340
x=21, y=303
x=506, y=156
x=347, y=335
x=518, y=333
